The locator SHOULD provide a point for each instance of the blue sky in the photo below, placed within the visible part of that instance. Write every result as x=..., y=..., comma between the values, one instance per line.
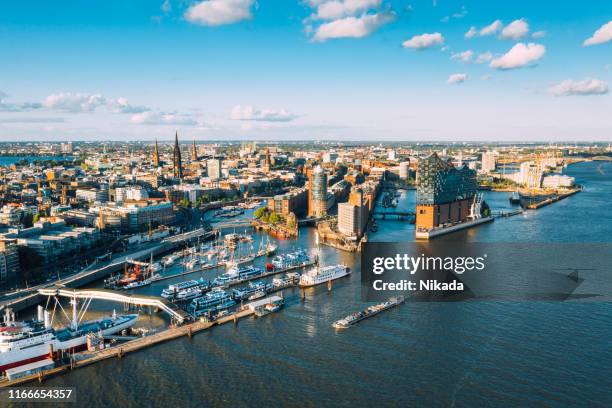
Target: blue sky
x=306, y=69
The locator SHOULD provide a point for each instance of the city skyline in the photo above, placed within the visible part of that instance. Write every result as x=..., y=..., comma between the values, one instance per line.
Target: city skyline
x=313, y=70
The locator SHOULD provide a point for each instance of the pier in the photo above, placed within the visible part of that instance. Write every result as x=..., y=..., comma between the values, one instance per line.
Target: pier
x=119, y=351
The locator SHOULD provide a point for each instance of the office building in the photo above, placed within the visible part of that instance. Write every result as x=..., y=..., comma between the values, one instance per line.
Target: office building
x=317, y=192
x=213, y=168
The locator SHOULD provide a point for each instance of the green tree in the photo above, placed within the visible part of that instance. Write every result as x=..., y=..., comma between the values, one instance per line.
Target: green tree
x=274, y=218
x=260, y=212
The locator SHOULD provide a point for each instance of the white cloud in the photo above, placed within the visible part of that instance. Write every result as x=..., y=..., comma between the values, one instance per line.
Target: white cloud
x=249, y=112
x=539, y=34
x=121, y=105
x=465, y=56
x=456, y=79
x=491, y=28
x=515, y=30
x=601, y=36
x=335, y=9
x=352, y=27
x=585, y=87
x=219, y=12
x=484, y=57
x=471, y=33
x=519, y=56
x=83, y=102
x=74, y=102
x=162, y=118
x=424, y=41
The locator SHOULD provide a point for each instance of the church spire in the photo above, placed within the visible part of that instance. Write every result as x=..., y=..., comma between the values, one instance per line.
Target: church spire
x=155, y=154
x=178, y=166
x=194, y=151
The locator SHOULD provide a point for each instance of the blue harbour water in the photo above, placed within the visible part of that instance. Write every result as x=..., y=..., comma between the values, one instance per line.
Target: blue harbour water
x=456, y=354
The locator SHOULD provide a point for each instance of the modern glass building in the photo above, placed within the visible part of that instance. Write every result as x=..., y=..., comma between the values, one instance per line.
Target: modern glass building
x=317, y=192
x=444, y=193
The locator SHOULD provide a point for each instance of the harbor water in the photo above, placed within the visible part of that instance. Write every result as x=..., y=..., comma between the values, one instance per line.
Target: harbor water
x=461, y=354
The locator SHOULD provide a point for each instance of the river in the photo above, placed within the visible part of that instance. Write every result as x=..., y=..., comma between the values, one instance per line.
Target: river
x=461, y=354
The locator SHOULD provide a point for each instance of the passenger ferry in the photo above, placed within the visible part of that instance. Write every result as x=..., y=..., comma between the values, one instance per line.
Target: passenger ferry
x=318, y=275
x=216, y=299
x=172, y=290
x=237, y=273
x=26, y=342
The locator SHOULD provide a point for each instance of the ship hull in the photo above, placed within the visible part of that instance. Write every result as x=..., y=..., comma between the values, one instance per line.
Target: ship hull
x=44, y=350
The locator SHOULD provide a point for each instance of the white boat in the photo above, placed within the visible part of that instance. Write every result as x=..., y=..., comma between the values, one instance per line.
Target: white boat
x=26, y=342
x=257, y=295
x=319, y=275
x=170, y=259
x=144, y=282
x=172, y=290
x=192, y=263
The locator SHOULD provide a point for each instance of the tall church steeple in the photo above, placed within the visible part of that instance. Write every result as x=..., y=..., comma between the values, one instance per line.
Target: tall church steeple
x=176, y=161
x=194, y=151
x=155, y=158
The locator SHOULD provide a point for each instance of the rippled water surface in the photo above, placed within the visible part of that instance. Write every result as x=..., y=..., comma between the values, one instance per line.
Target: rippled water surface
x=464, y=354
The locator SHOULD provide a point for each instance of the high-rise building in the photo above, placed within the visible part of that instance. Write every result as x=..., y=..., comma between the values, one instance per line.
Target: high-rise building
x=176, y=160
x=530, y=175
x=349, y=219
x=445, y=193
x=213, y=168
x=404, y=170
x=353, y=215
x=66, y=148
x=489, y=161
x=317, y=192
